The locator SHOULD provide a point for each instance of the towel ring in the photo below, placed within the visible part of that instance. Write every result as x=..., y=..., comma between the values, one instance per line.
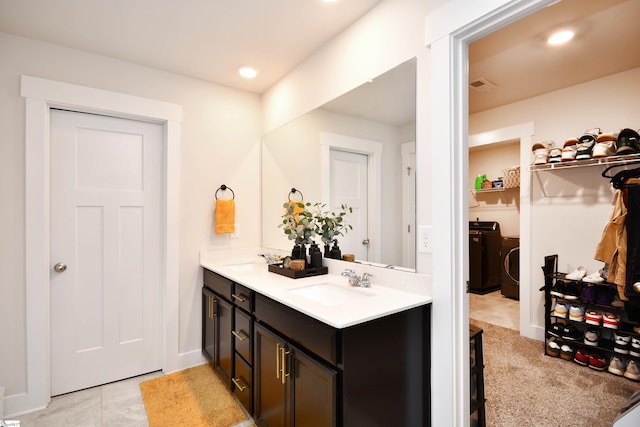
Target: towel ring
x=223, y=188
x=293, y=191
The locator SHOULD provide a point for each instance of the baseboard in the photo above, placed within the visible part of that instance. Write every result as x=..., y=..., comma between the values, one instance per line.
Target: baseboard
x=190, y=359
x=19, y=404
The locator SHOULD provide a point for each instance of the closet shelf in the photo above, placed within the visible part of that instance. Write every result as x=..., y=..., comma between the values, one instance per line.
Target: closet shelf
x=494, y=190
x=611, y=160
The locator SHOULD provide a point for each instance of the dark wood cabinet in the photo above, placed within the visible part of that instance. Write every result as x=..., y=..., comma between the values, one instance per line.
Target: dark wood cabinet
x=208, y=326
x=289, y=369
x=223, y=314
x=227, y=334
x=217, y=324
x=292, y=388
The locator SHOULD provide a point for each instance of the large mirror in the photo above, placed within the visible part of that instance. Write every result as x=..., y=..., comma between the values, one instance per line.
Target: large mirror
x=358, y=150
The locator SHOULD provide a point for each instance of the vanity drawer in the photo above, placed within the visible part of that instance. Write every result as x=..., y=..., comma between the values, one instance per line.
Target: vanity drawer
x=243, y=333
x=310, y=333
x=243, y=297
x=220, y=285
x=243, y=384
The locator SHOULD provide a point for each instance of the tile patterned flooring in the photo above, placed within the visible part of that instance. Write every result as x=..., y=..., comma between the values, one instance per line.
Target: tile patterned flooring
x=120, y=403
x=495, y=309
x=114, y=405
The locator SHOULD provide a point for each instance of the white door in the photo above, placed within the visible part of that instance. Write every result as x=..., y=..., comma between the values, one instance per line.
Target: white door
x=349, y=186
x=106, y=194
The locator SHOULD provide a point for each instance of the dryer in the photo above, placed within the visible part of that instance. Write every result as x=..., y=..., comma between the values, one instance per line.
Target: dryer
x=510, y=267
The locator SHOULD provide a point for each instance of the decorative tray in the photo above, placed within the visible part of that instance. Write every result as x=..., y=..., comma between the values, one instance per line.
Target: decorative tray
x=297, y=274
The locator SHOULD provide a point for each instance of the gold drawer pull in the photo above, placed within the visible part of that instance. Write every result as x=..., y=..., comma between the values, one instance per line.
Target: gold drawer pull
x=240, y=335
x=241, y=298
x=236, y=381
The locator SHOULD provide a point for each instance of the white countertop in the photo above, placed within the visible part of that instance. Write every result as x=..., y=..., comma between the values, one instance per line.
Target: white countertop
x=351, y=305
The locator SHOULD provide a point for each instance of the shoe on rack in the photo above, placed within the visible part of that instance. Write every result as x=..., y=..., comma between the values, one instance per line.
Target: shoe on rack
x=621, y=343
x=572, y=291
x=578, y=273
x=557, y=328
x=632, y=372
x=566, y=352
x=553, y=348
x=582, y=357
x=569, y=149
x=617, y=366
x=628, y=142
x=589, y=293
x=576, y=312
x=611, y=320
x=571, y=333
x=605, y=295
x=541, y=152
x=598, y=362
x=594, y=277
x=585, y=144
x=560, y=310
x=555, y=155
x=634, y=350
x=605, y=146
x=592, y=337
x=558, y=289
x=593, y=317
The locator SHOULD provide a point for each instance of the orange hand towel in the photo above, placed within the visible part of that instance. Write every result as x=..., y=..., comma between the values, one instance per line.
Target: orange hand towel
x=295, y=208
x=225, y=216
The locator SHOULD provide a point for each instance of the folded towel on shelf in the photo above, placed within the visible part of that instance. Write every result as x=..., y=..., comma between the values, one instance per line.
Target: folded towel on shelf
x=225, y=216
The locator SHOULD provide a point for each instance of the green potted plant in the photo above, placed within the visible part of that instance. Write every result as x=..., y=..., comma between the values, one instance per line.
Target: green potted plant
x=330, y=225
x=299, y=225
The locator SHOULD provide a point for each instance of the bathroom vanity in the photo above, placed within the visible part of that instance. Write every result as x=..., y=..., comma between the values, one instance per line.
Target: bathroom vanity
x=316, y=351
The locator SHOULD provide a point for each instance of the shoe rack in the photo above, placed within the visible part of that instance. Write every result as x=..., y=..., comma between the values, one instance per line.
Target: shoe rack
x=608, y=343
x=478, y=416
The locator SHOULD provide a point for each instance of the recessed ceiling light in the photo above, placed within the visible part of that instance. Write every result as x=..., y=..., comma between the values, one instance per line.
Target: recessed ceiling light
x=560, y=37
x=329, y=1
x=247, y=72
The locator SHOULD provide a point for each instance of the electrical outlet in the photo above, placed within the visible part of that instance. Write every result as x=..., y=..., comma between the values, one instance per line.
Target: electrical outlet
x=425, y=245
x=236, y=233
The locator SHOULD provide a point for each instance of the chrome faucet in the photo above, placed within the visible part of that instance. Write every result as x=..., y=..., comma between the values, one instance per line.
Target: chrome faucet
x=354, y=280
x=270, y=259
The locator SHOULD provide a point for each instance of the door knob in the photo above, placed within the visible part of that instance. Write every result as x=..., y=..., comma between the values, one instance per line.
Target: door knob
x=365, y=242
x=60, y=267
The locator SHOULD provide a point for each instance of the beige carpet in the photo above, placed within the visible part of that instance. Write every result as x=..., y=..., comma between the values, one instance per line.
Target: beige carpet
x=523, y=387
x=194, y=397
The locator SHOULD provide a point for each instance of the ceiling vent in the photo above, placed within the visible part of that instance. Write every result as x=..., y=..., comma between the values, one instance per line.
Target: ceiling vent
x=481, y=85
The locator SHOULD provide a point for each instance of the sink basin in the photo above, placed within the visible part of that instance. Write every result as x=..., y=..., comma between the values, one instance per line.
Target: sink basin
x=246, y=266
x=331, y=294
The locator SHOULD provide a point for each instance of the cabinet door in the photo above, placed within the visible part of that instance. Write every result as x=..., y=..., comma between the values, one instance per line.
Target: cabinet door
x=208, y=326
x=314, y=391
x=270, y=389
x=223, y=314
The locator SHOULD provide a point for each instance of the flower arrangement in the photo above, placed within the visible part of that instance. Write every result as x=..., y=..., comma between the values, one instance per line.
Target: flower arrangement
x=329, y=225
x=298, y=222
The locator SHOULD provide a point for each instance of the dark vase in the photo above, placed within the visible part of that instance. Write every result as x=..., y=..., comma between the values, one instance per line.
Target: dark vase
x=335, y=252
x=315, y=256
x=299, y=252
x=327, y=251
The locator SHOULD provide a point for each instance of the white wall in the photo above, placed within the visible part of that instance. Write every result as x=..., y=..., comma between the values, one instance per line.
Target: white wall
x=219, y=124
x=390, y=34
x=570, y=207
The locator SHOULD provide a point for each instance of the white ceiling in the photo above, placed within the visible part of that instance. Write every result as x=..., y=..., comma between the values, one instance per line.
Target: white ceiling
x=210, y=39
x=520, y=63
x=204, y=39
